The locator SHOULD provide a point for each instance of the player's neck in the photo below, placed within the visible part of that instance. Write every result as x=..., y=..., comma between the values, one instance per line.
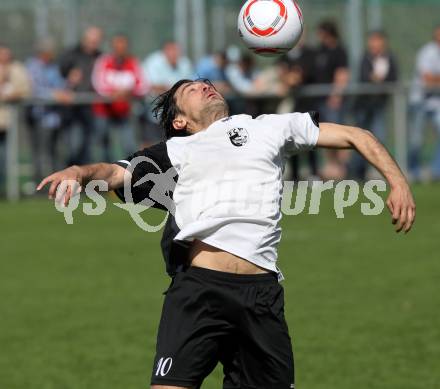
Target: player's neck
x=208, y=118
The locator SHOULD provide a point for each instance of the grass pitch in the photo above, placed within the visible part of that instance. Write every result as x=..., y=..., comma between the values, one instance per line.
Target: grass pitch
x=80, y=304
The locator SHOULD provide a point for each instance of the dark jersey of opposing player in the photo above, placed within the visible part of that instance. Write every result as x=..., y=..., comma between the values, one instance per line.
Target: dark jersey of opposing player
x=175, y=254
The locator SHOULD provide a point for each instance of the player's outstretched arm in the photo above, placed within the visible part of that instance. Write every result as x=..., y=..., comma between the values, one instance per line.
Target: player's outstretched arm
x=64, y=179
x=400, y=201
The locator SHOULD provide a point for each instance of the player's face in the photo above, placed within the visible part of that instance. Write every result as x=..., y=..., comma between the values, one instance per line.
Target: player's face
x=196, y=99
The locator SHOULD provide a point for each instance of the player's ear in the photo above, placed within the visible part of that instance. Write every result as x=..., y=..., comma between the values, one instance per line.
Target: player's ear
x=179, y=123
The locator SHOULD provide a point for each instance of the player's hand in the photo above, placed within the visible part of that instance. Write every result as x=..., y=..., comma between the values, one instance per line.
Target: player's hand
x=64, y=184
x=402, y=207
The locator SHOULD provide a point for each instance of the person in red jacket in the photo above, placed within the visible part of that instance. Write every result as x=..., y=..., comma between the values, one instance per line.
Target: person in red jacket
x=118, y=77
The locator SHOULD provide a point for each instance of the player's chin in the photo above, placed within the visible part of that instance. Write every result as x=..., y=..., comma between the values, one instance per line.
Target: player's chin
x=216, y=101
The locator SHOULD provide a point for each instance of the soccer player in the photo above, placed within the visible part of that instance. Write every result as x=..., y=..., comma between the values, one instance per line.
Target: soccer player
x=226, y=303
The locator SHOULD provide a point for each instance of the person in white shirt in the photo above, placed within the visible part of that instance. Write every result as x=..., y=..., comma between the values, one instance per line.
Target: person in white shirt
x=227, y=305
x=163, y=68
x=425, y=104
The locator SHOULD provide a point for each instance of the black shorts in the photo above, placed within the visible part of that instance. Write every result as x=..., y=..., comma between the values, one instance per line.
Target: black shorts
x=238, y=320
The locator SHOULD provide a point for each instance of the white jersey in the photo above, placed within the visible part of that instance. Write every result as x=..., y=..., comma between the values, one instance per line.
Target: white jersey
x=428, y=61
x=229, y=190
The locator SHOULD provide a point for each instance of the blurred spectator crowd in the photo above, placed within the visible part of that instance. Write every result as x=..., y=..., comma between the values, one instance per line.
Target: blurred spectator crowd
x=83, y=105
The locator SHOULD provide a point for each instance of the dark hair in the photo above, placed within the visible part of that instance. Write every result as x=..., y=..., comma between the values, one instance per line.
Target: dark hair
x=165, y=109
x=329, y=27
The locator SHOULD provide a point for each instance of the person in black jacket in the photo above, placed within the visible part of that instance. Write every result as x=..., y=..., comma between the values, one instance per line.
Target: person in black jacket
x=76, y=66
x=332, y=68
x=378, y=66
x=301, y=72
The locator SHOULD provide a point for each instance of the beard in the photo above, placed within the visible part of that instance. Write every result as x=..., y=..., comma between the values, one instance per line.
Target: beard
x=210, y=112
x=214, y=110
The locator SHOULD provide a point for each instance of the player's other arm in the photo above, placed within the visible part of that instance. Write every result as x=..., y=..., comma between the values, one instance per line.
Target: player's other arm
x=111, y=173
x=400, y=201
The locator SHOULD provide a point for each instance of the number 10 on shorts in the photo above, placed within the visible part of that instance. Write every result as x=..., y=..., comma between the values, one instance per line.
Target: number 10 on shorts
x=164, y=366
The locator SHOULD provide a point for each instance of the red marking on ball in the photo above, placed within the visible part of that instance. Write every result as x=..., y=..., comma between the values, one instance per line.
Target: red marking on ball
x=271, y=30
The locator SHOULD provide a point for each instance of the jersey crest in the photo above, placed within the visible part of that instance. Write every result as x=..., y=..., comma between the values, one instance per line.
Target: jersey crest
x=238, y=136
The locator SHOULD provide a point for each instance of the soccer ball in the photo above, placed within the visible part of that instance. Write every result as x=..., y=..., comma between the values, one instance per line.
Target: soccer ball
x=270, y=27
